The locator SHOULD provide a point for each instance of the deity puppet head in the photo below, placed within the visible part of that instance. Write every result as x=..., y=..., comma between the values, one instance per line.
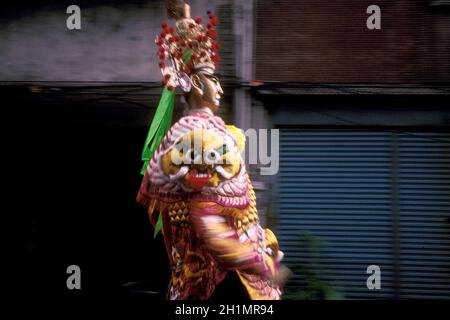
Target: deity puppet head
x=189, y=56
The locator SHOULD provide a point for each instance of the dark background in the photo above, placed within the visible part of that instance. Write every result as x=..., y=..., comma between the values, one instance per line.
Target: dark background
x=74, y=182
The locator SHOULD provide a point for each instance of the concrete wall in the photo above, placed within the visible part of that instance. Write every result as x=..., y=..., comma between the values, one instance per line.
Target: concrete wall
x=114, y=44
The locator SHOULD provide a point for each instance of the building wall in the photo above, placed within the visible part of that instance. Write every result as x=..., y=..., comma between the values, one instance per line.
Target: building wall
x=115, y=43
x=352, y=157
x=327, y=42
x=115, y=46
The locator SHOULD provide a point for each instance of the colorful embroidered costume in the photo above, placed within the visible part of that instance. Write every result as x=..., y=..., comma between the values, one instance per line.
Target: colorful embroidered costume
x=195, y=180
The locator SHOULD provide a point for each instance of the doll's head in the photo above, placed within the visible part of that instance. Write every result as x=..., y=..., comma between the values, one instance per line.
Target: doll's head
x=188, y=54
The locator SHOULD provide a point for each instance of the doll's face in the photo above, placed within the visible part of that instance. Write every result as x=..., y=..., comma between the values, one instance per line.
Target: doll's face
x=202, y=158
x=212, y=92
x=206, y=88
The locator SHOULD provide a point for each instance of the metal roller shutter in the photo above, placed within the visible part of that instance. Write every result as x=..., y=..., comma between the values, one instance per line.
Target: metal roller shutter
x=424, y=212
x=373, y=198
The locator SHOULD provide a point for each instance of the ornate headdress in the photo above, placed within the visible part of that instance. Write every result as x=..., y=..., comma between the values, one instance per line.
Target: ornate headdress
x=186, y=47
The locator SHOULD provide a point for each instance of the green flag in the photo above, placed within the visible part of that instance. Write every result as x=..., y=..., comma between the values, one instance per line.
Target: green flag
x=160, y=125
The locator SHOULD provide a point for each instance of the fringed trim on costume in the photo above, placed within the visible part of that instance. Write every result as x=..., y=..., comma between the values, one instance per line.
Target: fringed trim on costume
x=154, y=206
x=158, y=192
x=143, y=200
x=259, y=289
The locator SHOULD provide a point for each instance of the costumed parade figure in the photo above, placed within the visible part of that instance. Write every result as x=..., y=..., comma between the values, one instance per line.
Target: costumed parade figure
x=195, y=184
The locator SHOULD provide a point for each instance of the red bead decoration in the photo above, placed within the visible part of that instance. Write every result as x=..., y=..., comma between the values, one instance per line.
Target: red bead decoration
x=199, y=41
x=215, y=57
x=212, y=34
x=170, y=88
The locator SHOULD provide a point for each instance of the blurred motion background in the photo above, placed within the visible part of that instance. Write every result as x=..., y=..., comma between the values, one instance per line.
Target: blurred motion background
x=363, y=116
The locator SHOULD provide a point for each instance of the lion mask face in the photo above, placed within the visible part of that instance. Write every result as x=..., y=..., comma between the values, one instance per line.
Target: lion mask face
x=201, y=158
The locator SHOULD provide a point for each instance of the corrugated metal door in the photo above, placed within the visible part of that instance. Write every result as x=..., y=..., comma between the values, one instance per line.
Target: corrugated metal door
x=424, y=213
x=370, y=198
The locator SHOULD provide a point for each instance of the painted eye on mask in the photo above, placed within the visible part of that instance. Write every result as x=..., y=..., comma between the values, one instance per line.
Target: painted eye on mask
x=211, y=156
x=222, y=150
